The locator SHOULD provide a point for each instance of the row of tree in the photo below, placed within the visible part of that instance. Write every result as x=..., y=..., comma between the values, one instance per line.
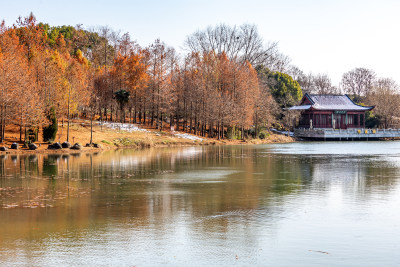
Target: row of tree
x=228, y=84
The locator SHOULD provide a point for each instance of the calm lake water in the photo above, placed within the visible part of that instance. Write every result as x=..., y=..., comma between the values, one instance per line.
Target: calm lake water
x=301, y=204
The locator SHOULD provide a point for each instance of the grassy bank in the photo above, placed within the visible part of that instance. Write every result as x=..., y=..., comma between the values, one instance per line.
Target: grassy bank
x=112, y=138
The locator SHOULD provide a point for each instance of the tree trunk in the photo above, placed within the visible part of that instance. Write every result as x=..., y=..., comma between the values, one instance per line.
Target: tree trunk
x=20, y=130
x=1, y=124
x=256, y=128
x=177, y=121
x=191, y=117
x=3, y=132
x=69, y=96
x=218, y=130
x=144, y=115
x=91, y=127
x=135, y=108
x=161, y=121
x=195, y=124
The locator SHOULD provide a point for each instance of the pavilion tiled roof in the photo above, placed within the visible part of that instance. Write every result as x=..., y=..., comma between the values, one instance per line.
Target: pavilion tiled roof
x=330, y=102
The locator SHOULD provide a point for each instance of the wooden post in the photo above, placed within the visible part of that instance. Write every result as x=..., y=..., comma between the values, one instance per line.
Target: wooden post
x=364, y=120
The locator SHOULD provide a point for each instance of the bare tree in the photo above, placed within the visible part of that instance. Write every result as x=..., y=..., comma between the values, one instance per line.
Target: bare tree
x=322, y=84
x=386, y=99
x=161, y=60
x=306, y=82
x=240, y=44
x=126, y=45
x=358, y=82
x=295, y=72
x=314, y=83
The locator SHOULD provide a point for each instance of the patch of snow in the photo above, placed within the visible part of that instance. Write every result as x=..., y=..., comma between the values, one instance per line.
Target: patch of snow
x=128, y=127
x=188, y=136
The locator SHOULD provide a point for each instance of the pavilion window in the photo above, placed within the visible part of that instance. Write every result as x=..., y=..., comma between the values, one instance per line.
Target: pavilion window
x=350, y=120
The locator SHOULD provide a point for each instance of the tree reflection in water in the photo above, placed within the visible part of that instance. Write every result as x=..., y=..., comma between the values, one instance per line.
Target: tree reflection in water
x=211, y=190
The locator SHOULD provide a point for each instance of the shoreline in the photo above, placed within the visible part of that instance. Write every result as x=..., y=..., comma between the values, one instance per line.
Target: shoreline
x=26, y=151
x=113, y=139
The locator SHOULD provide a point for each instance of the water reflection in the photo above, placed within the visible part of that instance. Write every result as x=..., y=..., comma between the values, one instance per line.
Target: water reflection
x=216, y=200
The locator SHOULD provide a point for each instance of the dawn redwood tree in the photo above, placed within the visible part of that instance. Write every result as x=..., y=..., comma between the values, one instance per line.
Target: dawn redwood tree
x=20, y=101
x=247, y=93
x=31, y=35
x=207, y=81
x=130, y=72
x=102, y=90
x=11, y=77
x=266, y=109
x=77, y=85
x=161, y=61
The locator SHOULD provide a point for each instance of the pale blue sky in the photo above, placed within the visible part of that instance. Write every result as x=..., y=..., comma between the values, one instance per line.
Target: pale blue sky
x=320, y=36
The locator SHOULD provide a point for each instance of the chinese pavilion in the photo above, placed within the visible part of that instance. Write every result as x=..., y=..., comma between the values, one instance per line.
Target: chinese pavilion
x=330, y=111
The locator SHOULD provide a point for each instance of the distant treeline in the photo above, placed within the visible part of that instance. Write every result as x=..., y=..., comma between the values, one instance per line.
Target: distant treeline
x=229, y=84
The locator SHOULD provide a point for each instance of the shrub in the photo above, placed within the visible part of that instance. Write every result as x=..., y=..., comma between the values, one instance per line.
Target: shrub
x=234, y=133
x=33, y=135
x=50, y=132
x=263, y=135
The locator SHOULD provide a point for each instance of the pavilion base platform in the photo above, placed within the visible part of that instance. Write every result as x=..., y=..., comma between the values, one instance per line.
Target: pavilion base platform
x=361, y=134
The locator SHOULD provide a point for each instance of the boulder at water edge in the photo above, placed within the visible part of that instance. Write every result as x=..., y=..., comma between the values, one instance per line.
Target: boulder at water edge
x=32, y=146
x=55, y=146
x=66, y=145
x=76, y=146
x=14, y=146
x=96, y=145
x=3, y=148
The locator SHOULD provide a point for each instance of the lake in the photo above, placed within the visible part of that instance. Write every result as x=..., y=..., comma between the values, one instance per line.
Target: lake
x=298, y=204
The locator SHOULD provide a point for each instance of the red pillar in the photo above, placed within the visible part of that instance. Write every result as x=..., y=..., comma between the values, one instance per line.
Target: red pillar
x=364, y=120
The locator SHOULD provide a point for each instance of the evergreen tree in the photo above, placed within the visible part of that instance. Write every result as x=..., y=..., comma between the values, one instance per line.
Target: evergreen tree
x=50, y=132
